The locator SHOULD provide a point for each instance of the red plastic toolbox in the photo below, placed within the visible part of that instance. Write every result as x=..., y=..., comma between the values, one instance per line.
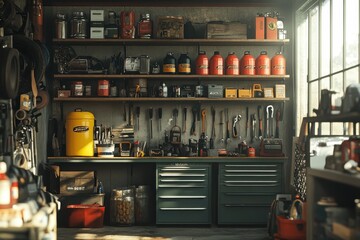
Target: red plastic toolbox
x=85, y=215
x=291, y=229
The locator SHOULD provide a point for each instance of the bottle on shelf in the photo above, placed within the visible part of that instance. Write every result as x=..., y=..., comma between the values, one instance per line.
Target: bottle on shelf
x=184, y=64
x=278, y=64
x=169, y=64
x=216, y=64
x=202, y=64
x=145, y=26
x=232, y=64
x=247, y=64
x=262, y=64
x=111, y=28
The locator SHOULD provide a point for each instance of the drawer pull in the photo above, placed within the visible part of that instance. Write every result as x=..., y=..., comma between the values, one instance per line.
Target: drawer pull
x=251, y=185
x=183, y=169
x=183, y=209
x=180, y=186
x=250, y=181
x=190, y=180
x=249, y=171
x=182, y=197
x=247, y=205
x=248, y=194
x=265, y=165
x=181, y=175
x=249, y=175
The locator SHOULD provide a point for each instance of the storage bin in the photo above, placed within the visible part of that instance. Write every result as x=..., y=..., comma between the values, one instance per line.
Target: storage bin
x=291, y=229
x=85, y=215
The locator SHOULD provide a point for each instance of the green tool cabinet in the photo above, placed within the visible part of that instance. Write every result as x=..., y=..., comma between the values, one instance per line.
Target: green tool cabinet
x=183, y=193
x=246, y=190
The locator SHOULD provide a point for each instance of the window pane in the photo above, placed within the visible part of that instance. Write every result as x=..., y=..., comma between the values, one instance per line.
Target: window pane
x=313, y=98
x=337, y=36
x=314, y=43
x=351, y=76
x=337, y=84
x=337, y=128
x=325, y=38
x=352, y=32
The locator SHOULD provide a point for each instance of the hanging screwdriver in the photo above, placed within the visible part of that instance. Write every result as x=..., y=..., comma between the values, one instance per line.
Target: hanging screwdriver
x=160, y=117
x=150, y=117
x=137, y=112
x=184, y=122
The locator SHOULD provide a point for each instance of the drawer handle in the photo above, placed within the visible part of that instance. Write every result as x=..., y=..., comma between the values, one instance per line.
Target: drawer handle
x=183, y=169
x=180, y=175
x=251, y=185
x=183, y=209
x=267, y=165
x=248, y=194
x=249, y=171
x=247, y=205
x=182, y=197
x=249, y=175
x=180, y=186
x=190, y=180
x=250, y=181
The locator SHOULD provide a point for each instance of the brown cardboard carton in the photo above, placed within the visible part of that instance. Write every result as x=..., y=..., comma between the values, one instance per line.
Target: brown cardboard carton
x=74, y=182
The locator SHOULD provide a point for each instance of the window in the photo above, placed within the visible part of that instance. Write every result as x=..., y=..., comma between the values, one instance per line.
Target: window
x=327, y=54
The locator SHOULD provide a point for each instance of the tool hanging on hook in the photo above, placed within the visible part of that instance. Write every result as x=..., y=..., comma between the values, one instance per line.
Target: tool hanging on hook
x=212, y=128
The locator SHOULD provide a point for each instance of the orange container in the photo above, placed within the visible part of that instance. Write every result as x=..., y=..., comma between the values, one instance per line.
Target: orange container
x=85, y=216
x=291, y=229
x=247, y=64
x=271, y=28
x=278, y=64
x=202, y=64
x=232, y=64
x=216, y=64
x=262, y=64
x=260, y=27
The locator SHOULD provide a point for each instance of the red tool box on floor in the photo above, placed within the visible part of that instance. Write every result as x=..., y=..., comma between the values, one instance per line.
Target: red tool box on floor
x=290, y=229
x=85, y=215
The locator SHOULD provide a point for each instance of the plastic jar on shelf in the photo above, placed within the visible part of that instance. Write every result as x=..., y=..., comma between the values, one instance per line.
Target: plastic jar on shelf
x=142, y=208
x=122, y=206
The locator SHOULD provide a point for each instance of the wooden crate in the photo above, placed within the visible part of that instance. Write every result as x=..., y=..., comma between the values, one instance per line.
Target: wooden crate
x=226, y=30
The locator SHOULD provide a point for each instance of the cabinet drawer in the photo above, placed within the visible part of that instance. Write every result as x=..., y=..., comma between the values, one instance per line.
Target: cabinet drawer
x=238, y=214
x=246, y=199
x=183, y=215
x=188, y=203
x=178, y=191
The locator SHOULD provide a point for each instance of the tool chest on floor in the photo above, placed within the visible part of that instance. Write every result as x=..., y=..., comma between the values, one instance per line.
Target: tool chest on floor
x=183, y=193
x=246, y=191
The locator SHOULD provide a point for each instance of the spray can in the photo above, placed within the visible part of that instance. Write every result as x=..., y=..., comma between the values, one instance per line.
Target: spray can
x=232, y=64
x=216, y=64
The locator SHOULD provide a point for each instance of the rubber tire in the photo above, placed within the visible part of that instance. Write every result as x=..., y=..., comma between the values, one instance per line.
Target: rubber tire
x=9, y=73
x=33, y=52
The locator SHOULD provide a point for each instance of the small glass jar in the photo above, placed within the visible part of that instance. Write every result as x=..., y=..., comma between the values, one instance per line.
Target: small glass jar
x=145, y=26
x=142, y=206
x=77, y=89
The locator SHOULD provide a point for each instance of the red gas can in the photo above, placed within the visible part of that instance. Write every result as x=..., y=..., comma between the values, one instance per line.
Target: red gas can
x=247, y=64
x=127, y=24
x=278, y=64
x=202, y=64
x=216, y=64
x=262, y=64
x=232, y=64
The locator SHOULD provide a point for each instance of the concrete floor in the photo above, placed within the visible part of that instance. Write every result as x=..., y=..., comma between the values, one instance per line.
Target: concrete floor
x=162, y=233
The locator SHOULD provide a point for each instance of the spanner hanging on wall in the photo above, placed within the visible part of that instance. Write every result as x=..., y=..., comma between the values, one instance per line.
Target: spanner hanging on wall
x=234, y=128
x=269, y=121
x=212, y=137
x=203, y=121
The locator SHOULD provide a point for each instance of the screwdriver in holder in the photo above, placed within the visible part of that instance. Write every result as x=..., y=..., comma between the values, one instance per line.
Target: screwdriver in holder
x=137, y=112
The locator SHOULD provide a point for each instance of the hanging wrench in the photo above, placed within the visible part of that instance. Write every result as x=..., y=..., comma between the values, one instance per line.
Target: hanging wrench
x=234, y=130
x=269, y=120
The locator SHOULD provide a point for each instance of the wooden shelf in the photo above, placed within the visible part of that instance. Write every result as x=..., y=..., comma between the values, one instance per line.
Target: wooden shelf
x=335, y=176
x=171, y=42
x=156, y=99
x=344, y=117
x=159, y=159
x=169, y=76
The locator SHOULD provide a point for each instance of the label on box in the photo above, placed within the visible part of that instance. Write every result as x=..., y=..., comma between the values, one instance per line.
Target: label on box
x=73, y=182
x=268, y=92
x=97, y=15
x=230, y=93
x=280, y=91
x=96, y=32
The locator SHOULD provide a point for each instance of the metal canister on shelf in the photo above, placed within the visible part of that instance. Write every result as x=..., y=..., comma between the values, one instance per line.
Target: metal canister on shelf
x=216, y=64
x=202, y=64
x=232, y=64
x=184, y=64
x=278, y=64
x=122, y=206
x=145, y=26
x=247, y=64
x=169, y=64
x=78, y=25
x=262, y=64
x=60, y=26
x=103, y=88
x=142, y=205
x=77, y=89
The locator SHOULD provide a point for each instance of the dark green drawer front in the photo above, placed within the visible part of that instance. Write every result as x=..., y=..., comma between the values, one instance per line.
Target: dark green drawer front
x=250, y=178
x=238, y=214
x=183, y=194
x=183, y=191
x=189, y=202
x=246, y=199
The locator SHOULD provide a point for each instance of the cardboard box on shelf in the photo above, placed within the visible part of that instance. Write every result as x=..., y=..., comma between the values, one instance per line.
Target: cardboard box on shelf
x=74, y=182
